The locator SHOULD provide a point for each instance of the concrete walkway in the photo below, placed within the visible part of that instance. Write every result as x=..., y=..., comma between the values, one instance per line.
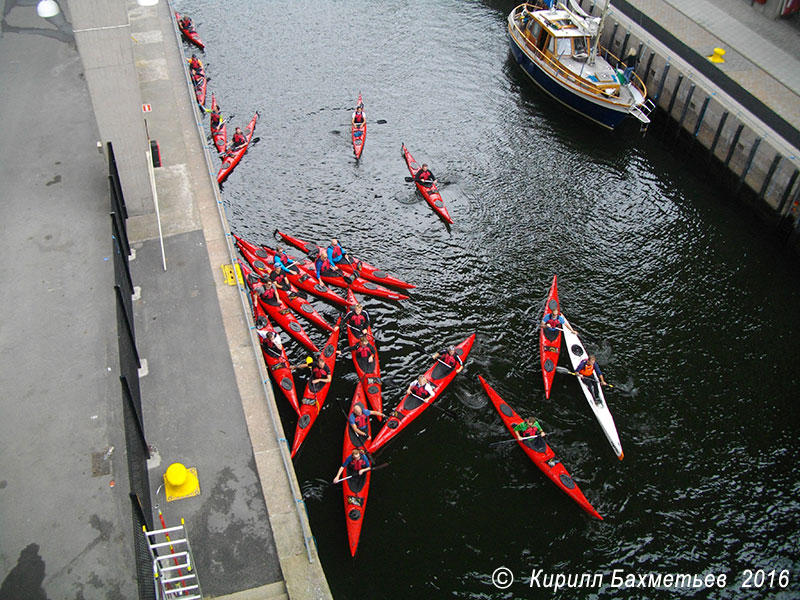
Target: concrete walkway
x=762, y=54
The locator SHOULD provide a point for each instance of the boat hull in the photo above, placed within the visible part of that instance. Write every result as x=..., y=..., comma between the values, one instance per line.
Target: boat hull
x=233, y=158
x=604, y=114
x=356, y=489
x=600, y=409
x=431, y=194
x=549, y=349
x=371, y=380
x=411, y=407
x=540, y=453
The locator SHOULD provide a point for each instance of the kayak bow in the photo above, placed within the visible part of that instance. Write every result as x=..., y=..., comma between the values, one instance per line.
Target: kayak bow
x=549, y=344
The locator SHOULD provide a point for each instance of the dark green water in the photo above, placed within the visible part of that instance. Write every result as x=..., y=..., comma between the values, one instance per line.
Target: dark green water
x=690, y=307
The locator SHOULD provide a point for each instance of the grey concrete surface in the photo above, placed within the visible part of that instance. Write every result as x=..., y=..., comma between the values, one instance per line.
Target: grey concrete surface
x=761, y=53
x=193, y=415
x=66, y=533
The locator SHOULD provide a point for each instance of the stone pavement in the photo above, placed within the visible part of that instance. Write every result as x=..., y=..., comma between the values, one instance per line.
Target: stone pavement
x=66, y=532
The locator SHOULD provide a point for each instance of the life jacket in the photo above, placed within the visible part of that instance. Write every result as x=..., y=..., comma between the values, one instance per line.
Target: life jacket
x=363, y=352
x=529, y=431
x=552, y=321
x=426, y=174
x=238, y=138
x=361, y=421
x=419, y=390
x=270, y=344
x=450, y=361
x=356, y=464
x=268, y=292
x=186, y=23
x=215, y=119
x=357, y=319
x=587, y=370
x=336, y=251
x=195, y=64
x=324, y=264
x=358, y=117
x=319, y=372
x=278, y=277
x=284, y=258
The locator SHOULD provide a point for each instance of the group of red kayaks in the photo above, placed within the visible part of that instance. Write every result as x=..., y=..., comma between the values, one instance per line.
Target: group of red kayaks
x=230, y=154
x=339, y=289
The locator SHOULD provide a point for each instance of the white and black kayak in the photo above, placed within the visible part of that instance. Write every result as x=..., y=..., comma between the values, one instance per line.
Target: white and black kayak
x=576, y=354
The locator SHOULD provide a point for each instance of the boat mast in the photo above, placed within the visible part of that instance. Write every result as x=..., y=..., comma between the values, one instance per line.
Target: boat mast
x=596, y=44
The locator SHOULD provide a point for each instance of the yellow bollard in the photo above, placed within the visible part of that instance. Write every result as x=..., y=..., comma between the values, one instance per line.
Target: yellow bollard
x=180, y=482
x=718, y=56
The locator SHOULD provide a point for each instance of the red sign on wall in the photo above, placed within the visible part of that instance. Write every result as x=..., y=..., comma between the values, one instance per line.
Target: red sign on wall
x=146, y=108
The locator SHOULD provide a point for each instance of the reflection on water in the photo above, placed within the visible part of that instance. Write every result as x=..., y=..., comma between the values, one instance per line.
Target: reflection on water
x=689, y=309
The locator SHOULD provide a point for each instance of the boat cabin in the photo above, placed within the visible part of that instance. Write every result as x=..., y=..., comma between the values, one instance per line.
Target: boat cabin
x=563, y=42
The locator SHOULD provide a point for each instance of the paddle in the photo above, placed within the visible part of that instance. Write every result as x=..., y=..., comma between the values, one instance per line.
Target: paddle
x=375, y=468
x=446, y=411
x=530, y=437
x=411, y=180
x=566, y=371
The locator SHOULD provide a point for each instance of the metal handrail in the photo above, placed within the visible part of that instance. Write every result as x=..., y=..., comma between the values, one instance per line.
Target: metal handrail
x=283, y=443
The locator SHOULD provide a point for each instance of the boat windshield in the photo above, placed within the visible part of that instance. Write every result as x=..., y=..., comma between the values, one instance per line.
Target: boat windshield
x=563, y=46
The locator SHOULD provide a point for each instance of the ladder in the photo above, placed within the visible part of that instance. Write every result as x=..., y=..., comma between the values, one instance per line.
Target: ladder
x=173, y=567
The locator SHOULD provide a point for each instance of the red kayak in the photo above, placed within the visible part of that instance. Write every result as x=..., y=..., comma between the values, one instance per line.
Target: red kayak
x=410, y=407
x=430, y=193
x=358, y=133
x=278, y=366
x=365, y=270
x=550, y=344
x=360, y=286
x=540, y=453
x=312, y=401
x=233, y=157
x=369, y=374
x=302, y=280
x=219, y=134
x=200, y=85
x=356, y=488
x=189, y=33
x=281, y=314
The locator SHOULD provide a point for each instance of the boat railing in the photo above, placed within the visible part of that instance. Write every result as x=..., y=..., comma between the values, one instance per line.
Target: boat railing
x=561, y=70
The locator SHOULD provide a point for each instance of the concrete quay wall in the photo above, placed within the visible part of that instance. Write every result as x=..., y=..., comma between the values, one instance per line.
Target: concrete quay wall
x=758, y=163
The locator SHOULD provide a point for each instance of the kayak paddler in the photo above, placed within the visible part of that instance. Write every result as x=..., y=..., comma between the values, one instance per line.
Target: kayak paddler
x=359, y=419
x=320, y=374
x=586, y=369
x=270, y=293
x=195, y=64
x=336, y=253
x=186, y=23
x=324, y=267
x=216, y=117
x=270, y=342
x=282, y=262
x=237, y=140
x=420, y=387
x=425, y=177
x=358, y=115
x=356, y=465
x=364, y=354
x=528, y=428
x=552, y=323
x=357, y=320
x=449, y=357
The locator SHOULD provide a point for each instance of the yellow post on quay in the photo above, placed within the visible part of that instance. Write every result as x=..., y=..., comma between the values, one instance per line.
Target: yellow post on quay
x=180, y=482
x=718, y=56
